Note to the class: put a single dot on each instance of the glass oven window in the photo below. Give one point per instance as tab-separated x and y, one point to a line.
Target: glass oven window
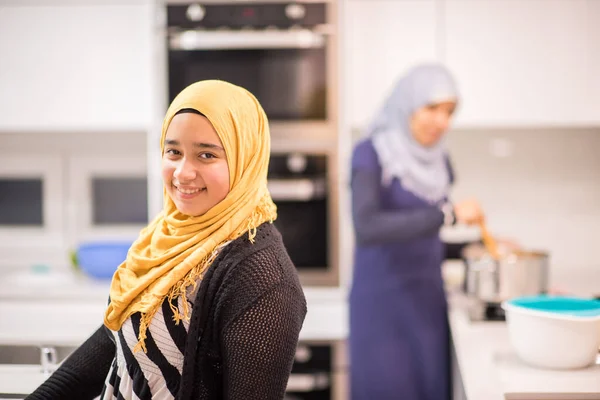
297	183
120	200
303	227
21	202
289	83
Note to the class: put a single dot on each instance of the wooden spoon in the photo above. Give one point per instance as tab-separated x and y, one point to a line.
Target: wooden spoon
488	240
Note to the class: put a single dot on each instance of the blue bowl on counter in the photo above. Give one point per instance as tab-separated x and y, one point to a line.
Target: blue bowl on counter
100	260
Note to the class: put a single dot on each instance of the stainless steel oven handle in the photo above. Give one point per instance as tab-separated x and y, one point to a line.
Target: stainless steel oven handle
297	189
231	40
308	382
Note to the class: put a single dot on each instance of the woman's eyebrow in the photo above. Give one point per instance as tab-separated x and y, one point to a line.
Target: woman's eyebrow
173	142
208	145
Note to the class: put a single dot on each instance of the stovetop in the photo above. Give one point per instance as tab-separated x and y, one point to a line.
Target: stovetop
483	311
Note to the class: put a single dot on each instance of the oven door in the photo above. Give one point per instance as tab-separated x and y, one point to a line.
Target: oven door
285	69
31	209
302	219
108	198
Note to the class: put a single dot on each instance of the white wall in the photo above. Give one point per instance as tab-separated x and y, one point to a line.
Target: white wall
545	194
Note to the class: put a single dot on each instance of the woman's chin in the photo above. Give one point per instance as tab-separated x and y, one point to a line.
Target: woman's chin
191	211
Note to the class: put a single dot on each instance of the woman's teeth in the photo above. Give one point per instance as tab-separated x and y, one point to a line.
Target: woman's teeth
188	191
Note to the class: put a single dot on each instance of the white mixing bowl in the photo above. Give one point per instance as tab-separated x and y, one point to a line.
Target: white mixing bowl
554	332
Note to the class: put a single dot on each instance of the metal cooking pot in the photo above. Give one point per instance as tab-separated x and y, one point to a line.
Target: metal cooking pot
517	274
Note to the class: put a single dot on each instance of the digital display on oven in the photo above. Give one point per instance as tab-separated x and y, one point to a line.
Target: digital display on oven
248	12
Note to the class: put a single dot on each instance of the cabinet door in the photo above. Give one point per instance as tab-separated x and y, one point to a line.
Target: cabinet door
382	40
75	67
523	63
593	93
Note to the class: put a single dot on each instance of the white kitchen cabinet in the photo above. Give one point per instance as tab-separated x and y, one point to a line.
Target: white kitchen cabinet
526	62
592	19
382	40
75	67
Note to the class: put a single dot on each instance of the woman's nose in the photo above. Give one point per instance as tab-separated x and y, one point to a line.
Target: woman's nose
184	172
443	120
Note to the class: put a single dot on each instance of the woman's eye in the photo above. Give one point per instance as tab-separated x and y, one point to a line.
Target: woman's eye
207	156
172	152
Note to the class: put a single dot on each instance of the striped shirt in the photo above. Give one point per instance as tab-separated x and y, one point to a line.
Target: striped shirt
154	375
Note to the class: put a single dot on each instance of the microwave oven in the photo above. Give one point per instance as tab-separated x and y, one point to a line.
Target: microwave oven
31	208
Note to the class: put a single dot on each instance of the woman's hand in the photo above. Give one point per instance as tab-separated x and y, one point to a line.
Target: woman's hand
468	212
508	245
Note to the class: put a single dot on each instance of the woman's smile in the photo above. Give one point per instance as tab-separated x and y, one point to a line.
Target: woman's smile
187	192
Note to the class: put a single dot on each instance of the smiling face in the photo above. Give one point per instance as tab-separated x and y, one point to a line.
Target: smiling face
194	165
429	123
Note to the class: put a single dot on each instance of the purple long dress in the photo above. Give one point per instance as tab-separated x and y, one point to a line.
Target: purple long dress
399	341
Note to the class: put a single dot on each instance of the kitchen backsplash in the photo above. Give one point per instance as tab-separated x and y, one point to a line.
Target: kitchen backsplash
542	187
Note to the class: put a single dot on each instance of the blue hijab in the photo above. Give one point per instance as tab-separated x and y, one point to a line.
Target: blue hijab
421	170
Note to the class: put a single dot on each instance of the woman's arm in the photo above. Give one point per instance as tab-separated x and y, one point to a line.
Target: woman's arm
259	345
376	226
81	376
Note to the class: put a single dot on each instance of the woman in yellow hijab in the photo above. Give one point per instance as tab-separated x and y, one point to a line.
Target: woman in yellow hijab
207	304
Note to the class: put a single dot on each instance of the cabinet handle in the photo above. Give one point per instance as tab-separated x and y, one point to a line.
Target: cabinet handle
308	382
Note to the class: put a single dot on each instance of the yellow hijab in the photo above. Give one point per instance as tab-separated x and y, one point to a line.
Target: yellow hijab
174	250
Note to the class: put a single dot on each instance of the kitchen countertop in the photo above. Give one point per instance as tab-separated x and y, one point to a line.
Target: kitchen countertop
68	322
69	310
20	379
489	368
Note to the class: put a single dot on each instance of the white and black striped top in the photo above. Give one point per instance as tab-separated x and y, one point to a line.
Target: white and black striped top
154	375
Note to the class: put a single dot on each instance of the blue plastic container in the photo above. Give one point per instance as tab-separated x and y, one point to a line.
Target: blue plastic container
559	305
101	259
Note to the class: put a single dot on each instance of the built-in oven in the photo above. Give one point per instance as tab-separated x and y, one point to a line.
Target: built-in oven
281	51
107	198
66	189
299	184
319	372
311	377
31	208
285	53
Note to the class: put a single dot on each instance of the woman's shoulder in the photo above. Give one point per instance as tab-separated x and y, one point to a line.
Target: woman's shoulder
364	155
259	263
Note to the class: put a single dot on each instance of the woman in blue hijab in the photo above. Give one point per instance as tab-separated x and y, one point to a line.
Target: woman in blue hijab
401	177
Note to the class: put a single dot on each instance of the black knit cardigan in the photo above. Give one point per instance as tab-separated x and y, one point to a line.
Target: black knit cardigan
242	337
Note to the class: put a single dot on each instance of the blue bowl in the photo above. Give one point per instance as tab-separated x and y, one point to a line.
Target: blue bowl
562	305
101	259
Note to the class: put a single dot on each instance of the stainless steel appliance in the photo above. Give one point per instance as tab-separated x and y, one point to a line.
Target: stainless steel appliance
311	376
32	215
284	52
319	372
299	185
108	198
489	282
